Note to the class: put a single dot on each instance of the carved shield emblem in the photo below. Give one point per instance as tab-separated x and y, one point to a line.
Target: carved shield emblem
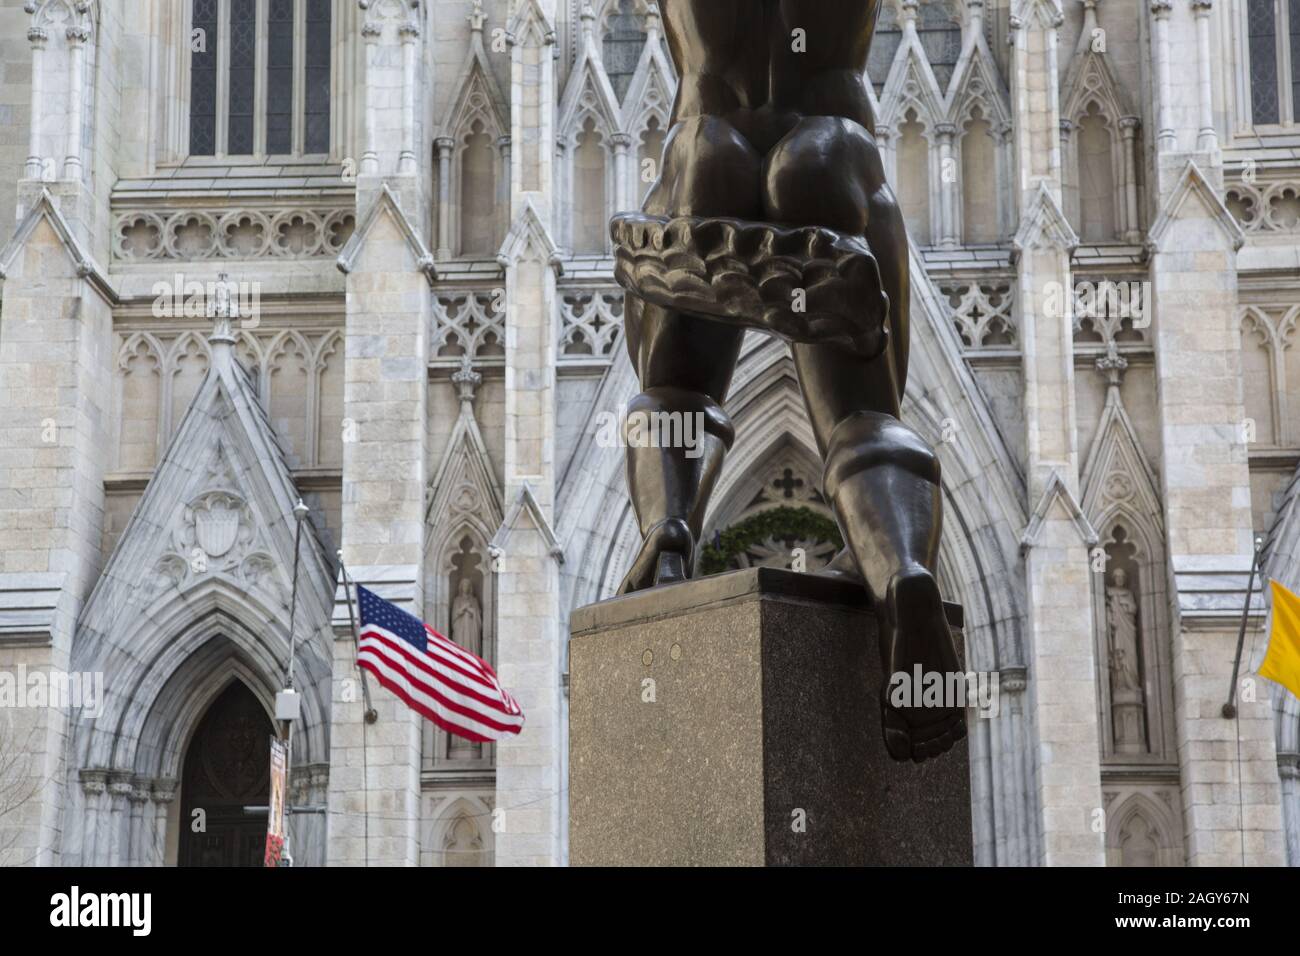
217	526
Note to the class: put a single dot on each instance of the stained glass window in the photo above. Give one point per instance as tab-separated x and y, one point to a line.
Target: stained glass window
1261	36
203	78
265	87
317	105
1295	56
243	62
279	77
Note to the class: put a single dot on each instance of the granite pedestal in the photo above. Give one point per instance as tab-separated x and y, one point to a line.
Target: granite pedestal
735	720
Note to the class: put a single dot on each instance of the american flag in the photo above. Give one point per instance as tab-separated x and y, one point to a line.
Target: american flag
455	689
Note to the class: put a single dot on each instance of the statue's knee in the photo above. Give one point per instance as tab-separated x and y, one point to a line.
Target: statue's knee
709	169
821	174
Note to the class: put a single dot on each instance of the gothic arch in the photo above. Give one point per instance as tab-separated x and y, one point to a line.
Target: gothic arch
324	426
291	394
589	133
1122	525
440	560
183	651
462	826
1141	832
1122	501
478	110
143	347
978	96
187	344
1255	322
1094	104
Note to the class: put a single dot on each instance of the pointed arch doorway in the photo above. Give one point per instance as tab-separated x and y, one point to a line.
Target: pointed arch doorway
227	767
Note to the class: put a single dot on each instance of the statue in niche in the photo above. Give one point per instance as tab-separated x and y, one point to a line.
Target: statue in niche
1125	680
771	212
467	619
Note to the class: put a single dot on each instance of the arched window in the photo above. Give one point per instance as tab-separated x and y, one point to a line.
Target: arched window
979	181
589	211
259	77
914	178
1096	178
478	189
1273	47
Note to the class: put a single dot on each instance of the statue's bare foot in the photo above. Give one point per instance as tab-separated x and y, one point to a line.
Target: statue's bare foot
914	631
665	557
842	567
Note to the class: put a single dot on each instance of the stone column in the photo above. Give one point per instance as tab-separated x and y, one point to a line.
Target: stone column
37	36
77	37
370	33
119	789
621	143
503	184
1019	839
445	145
1165	138
1069	178
564	159
164	791
410	33
93	785
1207	138
948	176
1128	126
140	826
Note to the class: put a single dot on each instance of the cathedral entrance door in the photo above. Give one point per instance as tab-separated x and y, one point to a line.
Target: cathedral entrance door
227	767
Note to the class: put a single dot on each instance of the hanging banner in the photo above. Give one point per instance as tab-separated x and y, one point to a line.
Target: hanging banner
275	810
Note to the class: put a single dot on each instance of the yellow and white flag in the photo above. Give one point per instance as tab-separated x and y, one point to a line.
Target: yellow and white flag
1282	662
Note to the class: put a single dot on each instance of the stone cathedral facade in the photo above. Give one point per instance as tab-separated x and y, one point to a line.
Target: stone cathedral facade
355	252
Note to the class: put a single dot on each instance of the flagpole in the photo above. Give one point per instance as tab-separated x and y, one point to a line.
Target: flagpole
372	715
300	512
1229	710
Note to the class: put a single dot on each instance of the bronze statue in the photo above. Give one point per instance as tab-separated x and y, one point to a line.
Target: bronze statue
772	212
